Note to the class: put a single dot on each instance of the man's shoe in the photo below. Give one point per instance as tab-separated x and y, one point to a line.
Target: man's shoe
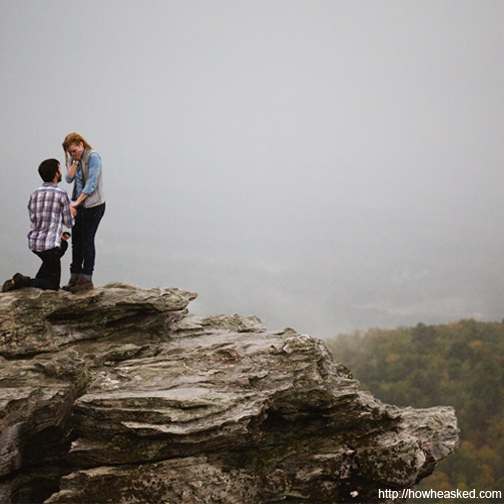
18	281
8	285
21	281
81	285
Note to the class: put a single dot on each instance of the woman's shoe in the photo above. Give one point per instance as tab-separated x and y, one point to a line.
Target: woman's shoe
81	285
71	283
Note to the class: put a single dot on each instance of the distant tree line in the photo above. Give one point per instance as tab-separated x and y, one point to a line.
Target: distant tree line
460	365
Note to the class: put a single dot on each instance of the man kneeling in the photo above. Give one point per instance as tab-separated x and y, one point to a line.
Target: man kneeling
49	209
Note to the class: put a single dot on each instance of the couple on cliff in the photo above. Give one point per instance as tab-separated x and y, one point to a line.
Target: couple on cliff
50	209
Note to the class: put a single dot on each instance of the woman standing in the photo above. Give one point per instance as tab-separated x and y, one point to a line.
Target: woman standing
84	168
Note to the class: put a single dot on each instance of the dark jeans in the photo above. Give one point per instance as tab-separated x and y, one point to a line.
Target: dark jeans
49	274
83	236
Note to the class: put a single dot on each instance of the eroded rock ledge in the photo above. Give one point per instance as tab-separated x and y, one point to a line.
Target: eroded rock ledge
118	395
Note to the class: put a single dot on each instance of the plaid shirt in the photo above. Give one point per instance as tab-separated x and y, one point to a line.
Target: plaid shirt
49	209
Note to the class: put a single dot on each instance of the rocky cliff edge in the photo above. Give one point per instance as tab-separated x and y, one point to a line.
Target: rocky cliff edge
118	395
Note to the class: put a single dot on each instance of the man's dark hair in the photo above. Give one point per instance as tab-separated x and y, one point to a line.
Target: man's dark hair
48	169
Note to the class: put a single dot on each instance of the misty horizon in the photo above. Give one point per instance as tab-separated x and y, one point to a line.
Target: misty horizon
327	166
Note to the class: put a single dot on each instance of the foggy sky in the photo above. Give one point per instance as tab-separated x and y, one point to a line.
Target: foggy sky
324	165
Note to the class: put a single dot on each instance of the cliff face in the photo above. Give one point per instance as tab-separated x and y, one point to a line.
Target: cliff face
118	395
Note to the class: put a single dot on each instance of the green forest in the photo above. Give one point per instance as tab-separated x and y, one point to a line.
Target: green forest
459	365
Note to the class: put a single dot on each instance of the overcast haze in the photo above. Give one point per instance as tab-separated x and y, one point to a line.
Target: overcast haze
324	165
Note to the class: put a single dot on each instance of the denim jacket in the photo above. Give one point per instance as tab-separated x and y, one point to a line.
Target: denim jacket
88	179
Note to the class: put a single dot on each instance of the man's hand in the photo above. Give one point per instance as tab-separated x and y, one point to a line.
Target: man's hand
73	209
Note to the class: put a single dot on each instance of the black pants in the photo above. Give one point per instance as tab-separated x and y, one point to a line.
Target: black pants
83	239
49	275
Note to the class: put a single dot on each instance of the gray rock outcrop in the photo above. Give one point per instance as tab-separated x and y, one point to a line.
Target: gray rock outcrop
118	395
